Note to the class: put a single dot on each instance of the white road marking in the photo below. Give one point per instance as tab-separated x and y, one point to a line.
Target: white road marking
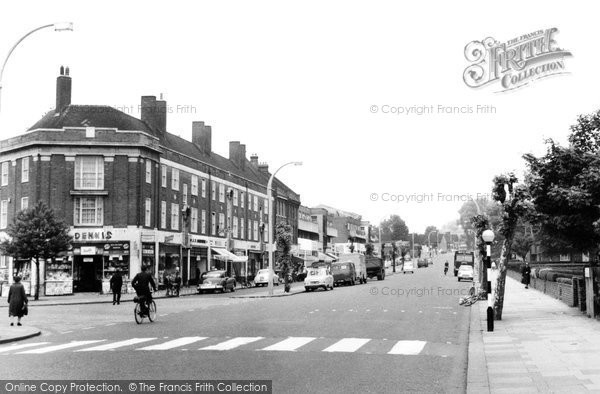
15	347
49	349
408	347
110	324
232	343
115	345
173	344
290	344
347	345
66	332
87	328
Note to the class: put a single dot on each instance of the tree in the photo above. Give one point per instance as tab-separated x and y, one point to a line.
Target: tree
523	240
516	204
36	234
394	229
283	241
369	249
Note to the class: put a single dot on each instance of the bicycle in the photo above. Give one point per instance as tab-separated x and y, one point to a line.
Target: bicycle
473	297
150	311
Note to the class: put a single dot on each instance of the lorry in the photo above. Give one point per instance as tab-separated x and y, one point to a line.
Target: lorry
463	258
375	267
360	265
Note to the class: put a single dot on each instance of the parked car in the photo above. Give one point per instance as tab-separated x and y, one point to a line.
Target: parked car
216	280
422	263
343	273
317	278
465	272
262	278
408	267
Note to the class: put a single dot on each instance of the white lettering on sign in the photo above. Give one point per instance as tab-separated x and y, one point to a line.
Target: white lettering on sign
88	250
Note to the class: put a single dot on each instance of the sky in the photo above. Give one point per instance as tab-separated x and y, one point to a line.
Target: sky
316	82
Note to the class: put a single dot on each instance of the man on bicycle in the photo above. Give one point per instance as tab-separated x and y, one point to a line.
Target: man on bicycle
141	283
446	267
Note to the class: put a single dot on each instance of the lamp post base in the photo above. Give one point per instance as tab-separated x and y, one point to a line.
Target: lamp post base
490	319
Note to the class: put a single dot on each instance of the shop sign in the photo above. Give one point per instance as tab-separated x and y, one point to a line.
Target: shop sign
91	235
239	252
88	259
88	250
147	237
148	250
116	248
197	241
169	238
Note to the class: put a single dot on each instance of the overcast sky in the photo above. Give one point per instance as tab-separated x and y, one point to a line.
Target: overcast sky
297	81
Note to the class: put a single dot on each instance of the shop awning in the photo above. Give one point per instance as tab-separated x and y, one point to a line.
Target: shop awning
334	257
325	258
225	255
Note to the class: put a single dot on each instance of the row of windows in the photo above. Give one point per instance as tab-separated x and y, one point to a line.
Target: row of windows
24	171
4	211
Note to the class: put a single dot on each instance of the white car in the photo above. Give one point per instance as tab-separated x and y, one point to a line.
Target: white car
317	278
408	267
465	272
262	278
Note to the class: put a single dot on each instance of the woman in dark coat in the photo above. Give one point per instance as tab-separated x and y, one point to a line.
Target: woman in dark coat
526	275
17	300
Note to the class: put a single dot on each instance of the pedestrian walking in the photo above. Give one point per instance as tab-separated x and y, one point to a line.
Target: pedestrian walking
116	285
526	275
17	301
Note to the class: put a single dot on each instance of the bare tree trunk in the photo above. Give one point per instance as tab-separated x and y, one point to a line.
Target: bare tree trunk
501	280
37	279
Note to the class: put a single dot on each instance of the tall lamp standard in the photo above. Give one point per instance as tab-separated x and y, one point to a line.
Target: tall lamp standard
270	232
488	238
64	26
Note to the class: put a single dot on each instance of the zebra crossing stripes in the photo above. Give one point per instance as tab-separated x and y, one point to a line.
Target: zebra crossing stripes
23	346
347	345
174	343
407	348
115	345
290	344
48	349
232	343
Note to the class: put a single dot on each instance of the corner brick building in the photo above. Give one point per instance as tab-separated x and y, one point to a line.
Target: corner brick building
134	193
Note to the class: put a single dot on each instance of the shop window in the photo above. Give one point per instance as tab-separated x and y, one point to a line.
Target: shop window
89	173
88	211
25	169
4	174
174	216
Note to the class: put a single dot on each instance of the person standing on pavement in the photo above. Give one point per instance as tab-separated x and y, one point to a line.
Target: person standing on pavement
116	284
17	301
526	275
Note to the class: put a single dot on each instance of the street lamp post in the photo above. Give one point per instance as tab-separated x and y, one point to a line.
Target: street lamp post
65	26
488	238
429	239
270	231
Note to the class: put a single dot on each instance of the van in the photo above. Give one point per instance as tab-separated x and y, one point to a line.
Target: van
343	273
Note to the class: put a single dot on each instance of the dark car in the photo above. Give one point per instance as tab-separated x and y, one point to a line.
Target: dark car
216	280
422	263
343	273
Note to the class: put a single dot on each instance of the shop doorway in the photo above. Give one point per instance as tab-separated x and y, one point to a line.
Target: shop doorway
87	274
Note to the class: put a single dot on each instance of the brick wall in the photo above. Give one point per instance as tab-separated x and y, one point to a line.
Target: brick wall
564	292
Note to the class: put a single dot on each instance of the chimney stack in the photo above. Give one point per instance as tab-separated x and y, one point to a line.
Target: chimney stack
264	168
154	113
237	154
202	137
63	90
254	160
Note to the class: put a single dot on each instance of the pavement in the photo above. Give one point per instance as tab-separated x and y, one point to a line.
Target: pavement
541	345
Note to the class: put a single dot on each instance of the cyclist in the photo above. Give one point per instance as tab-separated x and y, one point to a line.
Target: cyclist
446	267
141	283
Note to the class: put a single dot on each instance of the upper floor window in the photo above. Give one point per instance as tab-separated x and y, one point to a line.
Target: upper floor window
4	174
235	198
174	179
203	222
242	228
148	212
3	213
235	227
25	169
221	223
194	220
88	211
148	171
255	203
213	223
213	190
174	216
242	200
203	188
194	185
185	194
24	203
163	176
89	172
163	214
221	192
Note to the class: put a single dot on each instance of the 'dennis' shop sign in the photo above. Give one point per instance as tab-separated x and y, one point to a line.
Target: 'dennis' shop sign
91	235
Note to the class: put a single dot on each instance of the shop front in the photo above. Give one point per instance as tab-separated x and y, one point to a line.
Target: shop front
198	260
169	258
95	263
58	278
23	268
